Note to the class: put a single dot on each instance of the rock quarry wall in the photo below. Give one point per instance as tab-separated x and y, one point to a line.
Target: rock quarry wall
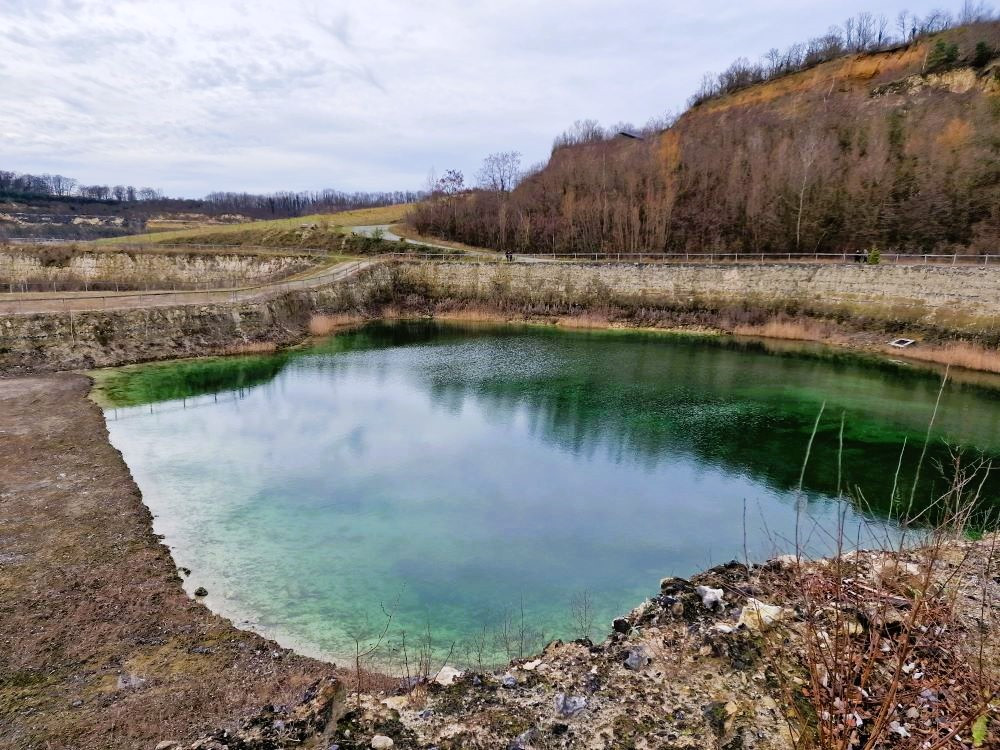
959	300
140	268
938	295
83	340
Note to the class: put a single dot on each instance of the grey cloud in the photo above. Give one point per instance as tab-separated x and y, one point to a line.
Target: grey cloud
194	96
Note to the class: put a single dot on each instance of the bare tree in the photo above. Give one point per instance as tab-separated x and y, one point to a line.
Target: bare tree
582	610
450	183
808	151
500	171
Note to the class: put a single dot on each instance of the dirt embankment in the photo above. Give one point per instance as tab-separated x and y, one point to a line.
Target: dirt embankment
99	645
952	313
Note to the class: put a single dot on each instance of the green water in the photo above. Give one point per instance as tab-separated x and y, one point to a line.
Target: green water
457	476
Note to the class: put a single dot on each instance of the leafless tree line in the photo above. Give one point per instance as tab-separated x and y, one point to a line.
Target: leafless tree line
840	171
268	205
865	32
60	186
305	202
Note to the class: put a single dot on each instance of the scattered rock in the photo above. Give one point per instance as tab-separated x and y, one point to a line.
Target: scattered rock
201	591
185	571
508	681
710	598
130	681
760	616
896	728
167	745
381	742
569	705
523	741
621	625
531	666
447	676
638	658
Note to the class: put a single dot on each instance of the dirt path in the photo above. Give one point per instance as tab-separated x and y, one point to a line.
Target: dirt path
99	645
84	301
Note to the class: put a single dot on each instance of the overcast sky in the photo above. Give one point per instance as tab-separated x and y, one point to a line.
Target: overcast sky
192	96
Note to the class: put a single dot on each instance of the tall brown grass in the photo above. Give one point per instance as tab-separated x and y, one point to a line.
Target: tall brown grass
323	325
792	330
251	347
961	354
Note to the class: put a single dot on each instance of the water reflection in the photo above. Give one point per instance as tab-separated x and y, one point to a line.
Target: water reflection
465	471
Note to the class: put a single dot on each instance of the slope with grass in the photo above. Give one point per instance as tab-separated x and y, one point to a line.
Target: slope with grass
314	231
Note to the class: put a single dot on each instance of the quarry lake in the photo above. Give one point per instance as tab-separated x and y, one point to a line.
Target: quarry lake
469	479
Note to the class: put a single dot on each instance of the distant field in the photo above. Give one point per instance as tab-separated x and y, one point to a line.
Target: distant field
318	227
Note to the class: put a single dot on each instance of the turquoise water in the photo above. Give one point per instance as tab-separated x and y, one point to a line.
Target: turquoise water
458	477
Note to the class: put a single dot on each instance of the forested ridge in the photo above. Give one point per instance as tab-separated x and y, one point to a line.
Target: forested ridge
895	146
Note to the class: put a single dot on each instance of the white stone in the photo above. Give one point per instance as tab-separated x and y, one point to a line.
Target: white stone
710	597
787	561
758	615
381	742
447	676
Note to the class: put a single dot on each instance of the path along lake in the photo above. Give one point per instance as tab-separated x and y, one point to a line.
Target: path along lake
458	476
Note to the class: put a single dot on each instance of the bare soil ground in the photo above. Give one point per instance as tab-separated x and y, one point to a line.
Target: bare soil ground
99	645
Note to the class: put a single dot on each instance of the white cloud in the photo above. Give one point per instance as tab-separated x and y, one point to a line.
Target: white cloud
192	96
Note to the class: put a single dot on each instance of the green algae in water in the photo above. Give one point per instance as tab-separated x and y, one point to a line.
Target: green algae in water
456	475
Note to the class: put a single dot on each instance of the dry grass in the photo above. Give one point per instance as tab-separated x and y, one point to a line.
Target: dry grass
406	231
251	347
791	330
323	325
589	319
206	232
897	642
962	354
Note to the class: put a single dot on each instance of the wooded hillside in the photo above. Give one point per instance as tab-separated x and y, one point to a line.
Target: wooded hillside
898	149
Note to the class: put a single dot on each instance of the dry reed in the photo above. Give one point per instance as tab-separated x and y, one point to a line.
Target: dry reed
322	325
792	330
251	347
961	354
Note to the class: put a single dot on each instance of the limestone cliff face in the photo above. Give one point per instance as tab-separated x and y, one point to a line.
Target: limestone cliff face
139	268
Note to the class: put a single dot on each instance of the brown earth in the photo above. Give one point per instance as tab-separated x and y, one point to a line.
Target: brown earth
99	645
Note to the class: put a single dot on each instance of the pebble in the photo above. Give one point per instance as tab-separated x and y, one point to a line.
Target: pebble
637	658
710	598
621	625
447	676
523	740
569	705
381	742
760	616
201	591
508	681
128	681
